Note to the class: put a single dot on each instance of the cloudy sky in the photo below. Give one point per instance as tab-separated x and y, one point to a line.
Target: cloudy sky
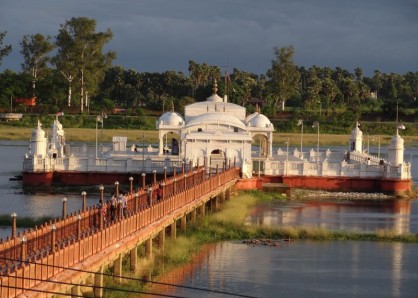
159	35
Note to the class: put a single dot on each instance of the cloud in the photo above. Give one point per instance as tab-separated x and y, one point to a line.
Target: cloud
158	35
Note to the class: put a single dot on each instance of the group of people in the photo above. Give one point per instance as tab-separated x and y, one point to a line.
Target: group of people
121	201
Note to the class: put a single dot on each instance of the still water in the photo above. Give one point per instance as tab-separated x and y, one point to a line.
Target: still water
296	269
47	202
303	269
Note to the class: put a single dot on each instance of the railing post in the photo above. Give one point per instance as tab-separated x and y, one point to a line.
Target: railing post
154	172
64	208
190	166
117	189
143	181
120	209
175	186
163	185
182	167
165	173
78	218
131	180
83	194
13	215
149	196
185	182
101	216
53	237
23	242
136	202
174	170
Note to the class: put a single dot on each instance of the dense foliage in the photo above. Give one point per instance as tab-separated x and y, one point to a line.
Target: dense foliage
72	74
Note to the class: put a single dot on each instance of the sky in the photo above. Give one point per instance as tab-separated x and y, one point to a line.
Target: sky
160	35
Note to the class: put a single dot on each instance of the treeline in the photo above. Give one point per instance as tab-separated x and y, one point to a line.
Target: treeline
71	73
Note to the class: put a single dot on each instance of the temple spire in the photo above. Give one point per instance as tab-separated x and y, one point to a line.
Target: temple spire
215	87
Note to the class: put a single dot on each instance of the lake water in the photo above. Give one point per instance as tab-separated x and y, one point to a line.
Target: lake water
296	269
303	269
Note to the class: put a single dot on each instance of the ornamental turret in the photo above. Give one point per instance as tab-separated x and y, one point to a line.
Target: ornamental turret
396	150
356	139
38	141
57	139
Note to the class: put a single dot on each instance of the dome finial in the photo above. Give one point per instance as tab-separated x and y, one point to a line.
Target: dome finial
215	87
172	106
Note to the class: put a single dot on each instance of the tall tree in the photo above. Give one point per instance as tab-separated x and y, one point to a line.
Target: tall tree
35	50
284	76
80	49
4	51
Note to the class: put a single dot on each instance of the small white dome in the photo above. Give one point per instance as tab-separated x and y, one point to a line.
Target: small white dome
251	116
38	133
171	118
259	120
396	141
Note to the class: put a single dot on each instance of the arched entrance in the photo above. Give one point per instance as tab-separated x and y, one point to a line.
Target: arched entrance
260	144
216	158
171	143
260	152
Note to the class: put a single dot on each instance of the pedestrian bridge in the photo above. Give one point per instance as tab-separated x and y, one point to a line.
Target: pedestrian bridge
62	255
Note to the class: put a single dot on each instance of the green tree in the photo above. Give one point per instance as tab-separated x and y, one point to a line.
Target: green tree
80	50
4	51
35	50
284	77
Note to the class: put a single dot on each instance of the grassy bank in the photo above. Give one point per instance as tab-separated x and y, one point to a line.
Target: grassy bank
227	224
151	136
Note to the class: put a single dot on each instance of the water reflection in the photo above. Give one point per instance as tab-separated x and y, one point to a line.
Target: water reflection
303	269
363	216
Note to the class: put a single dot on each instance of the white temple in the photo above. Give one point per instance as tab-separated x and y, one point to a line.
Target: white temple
215	130
215	133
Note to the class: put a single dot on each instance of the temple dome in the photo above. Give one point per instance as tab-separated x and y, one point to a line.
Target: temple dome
216	118
38	133
259	121
171	118
251	116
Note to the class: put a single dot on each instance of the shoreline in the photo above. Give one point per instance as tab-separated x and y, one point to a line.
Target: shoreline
306	194
151	136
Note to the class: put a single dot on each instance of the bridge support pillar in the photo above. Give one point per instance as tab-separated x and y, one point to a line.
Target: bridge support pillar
228	194
148	248
161	238
98	283
173	230
193	219
202	210
117	269
183	223
223	196
216	201
134	258
76	291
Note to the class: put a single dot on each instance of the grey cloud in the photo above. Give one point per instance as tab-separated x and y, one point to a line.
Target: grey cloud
157	35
